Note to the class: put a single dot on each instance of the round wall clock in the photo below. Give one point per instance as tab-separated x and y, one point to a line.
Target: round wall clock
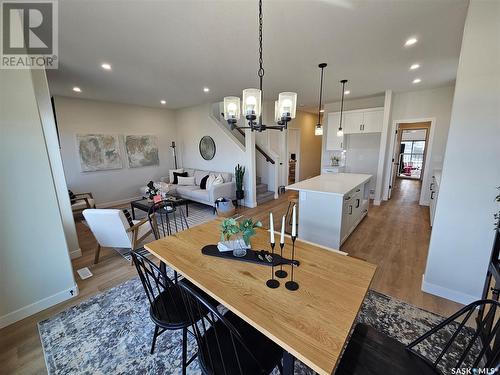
207	148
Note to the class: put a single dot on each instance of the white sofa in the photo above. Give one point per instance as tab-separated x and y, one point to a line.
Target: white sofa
226	190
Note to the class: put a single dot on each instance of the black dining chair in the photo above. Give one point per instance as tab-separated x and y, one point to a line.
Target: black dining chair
167	309
226	344
372	352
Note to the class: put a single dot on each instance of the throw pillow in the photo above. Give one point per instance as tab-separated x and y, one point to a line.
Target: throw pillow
185	181
210	181
171	174
218	180
178	174
203	183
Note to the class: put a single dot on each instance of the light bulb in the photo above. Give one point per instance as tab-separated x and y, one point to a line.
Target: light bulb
340	133
251	100
231	108
318	130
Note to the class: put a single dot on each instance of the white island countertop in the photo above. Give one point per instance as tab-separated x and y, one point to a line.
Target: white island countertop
338	184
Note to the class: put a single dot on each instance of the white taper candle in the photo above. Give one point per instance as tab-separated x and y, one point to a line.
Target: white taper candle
271	227
282	238
294	221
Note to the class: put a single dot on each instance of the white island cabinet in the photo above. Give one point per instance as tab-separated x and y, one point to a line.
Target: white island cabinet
331	206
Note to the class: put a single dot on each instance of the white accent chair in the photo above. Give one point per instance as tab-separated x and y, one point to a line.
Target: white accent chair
112	229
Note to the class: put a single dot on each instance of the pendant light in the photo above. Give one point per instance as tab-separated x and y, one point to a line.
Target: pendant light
318	130
251	106
340	132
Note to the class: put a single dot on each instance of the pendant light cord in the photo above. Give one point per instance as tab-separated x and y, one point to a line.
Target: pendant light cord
320	96
261	61
344	81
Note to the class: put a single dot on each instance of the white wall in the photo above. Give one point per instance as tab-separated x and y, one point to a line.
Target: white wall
414	135
79	116
462	235
423	104
35	268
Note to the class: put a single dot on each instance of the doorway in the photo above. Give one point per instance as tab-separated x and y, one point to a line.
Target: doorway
410	152
293	155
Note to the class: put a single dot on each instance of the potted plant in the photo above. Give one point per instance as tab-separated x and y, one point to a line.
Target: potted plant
243	231
335	161
239	172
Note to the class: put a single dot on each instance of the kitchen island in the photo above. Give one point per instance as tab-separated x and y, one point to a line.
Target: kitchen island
331	206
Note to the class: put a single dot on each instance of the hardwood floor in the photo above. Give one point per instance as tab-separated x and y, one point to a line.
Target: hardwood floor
394	236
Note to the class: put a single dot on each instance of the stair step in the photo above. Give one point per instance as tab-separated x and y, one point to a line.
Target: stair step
265	197
261	188
258	180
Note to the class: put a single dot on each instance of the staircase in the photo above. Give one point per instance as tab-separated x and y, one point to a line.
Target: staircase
263	195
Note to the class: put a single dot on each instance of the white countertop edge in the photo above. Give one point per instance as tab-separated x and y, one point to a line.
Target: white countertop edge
296	186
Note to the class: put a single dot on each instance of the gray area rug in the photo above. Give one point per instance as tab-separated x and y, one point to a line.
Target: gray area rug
111	333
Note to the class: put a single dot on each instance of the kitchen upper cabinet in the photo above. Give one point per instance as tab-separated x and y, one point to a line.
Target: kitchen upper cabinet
353	122
363	121
333	141
372	121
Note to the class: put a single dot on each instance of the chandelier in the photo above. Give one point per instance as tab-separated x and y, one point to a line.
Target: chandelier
284	107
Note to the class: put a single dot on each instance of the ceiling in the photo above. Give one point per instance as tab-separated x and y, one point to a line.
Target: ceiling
172	49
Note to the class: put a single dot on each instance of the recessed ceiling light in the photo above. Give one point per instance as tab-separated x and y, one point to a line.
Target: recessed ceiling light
163	102
347	92
414	66
411	41
106	66
206	89
77	89
322	111
417	80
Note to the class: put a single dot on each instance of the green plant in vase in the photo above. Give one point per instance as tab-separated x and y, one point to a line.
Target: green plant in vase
247	229
228	228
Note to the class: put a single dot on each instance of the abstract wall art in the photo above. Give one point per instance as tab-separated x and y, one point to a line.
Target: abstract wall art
142	150
99	152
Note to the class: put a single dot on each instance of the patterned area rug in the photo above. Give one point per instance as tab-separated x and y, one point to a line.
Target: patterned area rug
111	333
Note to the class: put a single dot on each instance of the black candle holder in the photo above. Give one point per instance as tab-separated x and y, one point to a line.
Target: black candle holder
292	285
272	282
281	273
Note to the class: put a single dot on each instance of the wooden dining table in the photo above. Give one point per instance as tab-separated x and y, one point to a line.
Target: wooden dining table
311	324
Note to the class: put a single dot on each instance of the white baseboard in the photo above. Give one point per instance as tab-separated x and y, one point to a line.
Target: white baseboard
75	253
377	202
118	202
450	294
37	306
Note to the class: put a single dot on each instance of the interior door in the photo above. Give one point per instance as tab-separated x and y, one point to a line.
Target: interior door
395	160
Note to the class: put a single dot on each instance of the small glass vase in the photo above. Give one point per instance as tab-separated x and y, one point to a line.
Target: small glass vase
240	248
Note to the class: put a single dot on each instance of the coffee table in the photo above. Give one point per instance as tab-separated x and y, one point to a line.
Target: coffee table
145	204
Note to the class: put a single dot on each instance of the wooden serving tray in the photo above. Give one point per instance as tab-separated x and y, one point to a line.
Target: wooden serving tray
251	256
